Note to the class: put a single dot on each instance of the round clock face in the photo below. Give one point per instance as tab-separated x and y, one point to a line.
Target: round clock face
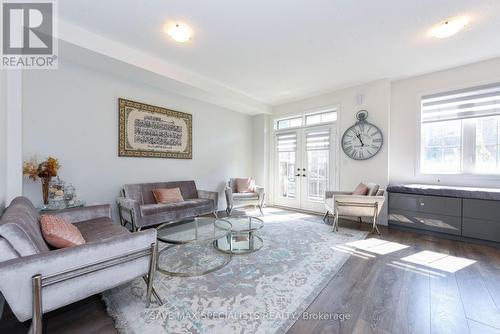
362	141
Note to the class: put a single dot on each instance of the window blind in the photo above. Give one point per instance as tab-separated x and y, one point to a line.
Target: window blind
287	142
319	140
480	101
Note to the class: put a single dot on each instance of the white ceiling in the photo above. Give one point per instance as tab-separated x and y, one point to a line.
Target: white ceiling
278	51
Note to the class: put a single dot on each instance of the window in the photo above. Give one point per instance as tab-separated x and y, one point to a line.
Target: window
289	123
327	116
310	119
460	131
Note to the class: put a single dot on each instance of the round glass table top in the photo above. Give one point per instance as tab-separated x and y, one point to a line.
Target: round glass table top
193	230
242	223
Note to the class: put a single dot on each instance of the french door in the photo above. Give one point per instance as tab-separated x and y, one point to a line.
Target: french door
304	167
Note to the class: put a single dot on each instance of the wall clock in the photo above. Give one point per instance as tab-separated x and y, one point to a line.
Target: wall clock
363	140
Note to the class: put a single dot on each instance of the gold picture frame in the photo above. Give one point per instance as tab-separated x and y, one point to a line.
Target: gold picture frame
147	131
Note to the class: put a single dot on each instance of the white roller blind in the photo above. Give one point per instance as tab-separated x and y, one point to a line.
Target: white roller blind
480	101
318	140
287	142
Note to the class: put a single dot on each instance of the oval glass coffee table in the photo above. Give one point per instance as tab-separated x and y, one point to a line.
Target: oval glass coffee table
242	238
190	250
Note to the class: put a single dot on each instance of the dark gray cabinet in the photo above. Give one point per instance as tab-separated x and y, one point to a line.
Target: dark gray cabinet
481	219
456	216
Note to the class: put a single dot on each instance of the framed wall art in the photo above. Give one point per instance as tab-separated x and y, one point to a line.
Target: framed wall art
147	131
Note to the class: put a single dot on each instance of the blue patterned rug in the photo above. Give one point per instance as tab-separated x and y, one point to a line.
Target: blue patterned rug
262	292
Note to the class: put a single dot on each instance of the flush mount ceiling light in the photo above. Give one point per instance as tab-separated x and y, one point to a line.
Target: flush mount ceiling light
179	32
449	27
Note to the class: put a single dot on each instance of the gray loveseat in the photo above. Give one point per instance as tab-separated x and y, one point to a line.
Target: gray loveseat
138	207
35	279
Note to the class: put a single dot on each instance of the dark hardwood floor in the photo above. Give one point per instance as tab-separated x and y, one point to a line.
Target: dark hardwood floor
380	293
384	294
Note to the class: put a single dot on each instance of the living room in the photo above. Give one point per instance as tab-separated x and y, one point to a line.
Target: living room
336	162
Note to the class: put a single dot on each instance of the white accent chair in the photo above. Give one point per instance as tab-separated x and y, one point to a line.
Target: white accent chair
234	199
345	204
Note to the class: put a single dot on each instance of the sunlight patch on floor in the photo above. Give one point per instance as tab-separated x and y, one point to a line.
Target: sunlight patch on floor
352	251
440	261
377	246
415	269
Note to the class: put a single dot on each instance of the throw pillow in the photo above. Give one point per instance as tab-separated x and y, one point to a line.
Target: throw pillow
168	195
58	233
245	185
361	189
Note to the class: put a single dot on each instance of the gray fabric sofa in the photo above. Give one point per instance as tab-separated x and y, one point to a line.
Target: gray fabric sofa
35	279
138	207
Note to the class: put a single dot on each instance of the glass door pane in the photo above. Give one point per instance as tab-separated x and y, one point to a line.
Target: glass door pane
287	180
287	155
318	157
317	178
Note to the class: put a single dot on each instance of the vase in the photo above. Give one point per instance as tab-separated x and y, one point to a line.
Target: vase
45	189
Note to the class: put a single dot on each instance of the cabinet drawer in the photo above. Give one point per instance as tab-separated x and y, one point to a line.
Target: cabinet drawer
481	229
447	206
426	221
482	209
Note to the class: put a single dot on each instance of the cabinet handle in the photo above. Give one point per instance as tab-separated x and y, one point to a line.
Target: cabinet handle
297	174
304	175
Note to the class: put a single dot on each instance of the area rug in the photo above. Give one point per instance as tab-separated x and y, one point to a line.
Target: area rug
262	292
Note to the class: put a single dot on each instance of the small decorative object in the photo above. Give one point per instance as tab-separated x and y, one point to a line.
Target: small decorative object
153	132
69	195
56	194
363	140
45	170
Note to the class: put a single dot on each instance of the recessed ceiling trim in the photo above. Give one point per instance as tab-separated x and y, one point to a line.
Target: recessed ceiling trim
218	93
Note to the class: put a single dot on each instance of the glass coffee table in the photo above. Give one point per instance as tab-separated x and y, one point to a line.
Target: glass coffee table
190	250
242	238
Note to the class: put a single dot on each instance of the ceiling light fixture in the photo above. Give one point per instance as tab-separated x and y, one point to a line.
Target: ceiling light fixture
449	27
179	32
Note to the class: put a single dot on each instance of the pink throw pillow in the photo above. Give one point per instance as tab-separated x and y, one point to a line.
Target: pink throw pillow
361	189
58	233
245	185
167	196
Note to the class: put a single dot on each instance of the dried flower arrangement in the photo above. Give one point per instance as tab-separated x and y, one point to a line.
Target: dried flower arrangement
45	171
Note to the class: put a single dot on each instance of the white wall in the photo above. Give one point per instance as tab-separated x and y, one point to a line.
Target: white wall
260	153
3	138
72	114
376	99
404	127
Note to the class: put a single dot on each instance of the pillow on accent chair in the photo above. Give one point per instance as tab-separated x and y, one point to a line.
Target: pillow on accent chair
168	195
58	233
245	185
361	189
